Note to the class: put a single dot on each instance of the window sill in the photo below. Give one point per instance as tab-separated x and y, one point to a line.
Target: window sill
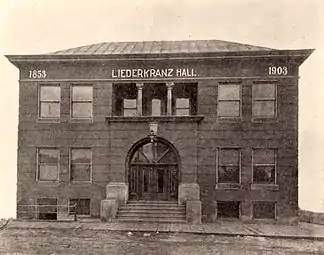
172	118
265	119
230	119
80	120
48	120
233	186
43	182
81	182
264	186
264	220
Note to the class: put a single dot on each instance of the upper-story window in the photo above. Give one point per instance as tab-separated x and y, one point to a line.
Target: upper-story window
228	167
156	107
264	100
182	107
229	100
154	99
264	166
48	164
49	101
81	102
129	107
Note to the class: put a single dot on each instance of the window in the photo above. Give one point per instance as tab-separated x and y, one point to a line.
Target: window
156	107
81	102
47	208
184	99
48	164
130	107
82	206
264	100
154	99
229	100
81	164
264	210
182	106
228	166
124	99
264	166
228	209
49	101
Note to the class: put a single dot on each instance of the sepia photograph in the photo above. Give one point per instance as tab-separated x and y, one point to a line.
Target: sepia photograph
162	127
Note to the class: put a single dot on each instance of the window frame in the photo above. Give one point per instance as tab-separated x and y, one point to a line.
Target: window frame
70	164
37	207
129	108
239	100
81	101
275	164
39	101
229	201
228	185
265	202
183	108
38	165
269	99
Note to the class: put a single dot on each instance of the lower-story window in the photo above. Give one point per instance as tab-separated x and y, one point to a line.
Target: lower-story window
47	208
81	161
228	170
228	209
264	210
264	166
48	164
80	206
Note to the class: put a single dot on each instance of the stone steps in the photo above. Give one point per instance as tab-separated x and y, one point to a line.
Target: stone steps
152	211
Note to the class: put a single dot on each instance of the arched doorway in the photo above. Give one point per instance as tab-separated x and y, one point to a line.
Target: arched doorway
153	171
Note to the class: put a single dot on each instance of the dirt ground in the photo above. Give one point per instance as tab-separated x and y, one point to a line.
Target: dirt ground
80	241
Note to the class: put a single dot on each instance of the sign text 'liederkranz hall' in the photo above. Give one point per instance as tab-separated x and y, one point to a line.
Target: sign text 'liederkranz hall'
153	73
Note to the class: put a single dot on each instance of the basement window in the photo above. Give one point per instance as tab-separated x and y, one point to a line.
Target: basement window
80	206
228	209
47	208
264	210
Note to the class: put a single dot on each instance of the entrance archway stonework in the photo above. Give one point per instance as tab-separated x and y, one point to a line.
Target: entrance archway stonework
184	164
153	170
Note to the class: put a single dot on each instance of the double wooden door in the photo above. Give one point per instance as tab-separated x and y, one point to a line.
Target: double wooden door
153	182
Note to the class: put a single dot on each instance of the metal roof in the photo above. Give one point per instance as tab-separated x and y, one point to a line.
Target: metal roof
158	47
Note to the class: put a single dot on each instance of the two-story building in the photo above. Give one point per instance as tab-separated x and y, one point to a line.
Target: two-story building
208	127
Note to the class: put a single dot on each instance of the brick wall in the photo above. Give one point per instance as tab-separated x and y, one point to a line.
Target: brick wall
195	142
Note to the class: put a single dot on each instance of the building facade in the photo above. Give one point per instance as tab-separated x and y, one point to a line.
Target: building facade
212	125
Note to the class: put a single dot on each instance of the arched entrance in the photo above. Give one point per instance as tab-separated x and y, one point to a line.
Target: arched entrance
153	171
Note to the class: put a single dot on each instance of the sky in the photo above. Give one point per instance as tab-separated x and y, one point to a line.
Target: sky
38	26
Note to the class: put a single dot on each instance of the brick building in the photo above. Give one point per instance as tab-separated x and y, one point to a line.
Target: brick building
207	127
